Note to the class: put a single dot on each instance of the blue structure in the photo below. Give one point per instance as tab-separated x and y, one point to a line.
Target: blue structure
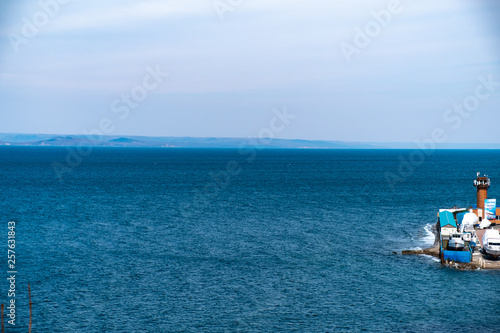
457	256
446	218
460	217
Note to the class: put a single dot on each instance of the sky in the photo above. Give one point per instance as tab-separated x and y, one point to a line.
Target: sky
359	70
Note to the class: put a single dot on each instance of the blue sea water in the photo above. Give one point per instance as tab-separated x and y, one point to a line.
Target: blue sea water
169	240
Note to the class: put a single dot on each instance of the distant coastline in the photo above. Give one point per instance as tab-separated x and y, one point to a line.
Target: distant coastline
55	140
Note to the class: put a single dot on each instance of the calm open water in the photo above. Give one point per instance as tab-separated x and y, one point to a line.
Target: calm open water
163	240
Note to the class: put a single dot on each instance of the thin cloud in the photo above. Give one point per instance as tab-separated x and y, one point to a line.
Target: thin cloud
78	16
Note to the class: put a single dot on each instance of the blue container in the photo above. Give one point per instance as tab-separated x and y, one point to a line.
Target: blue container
457	256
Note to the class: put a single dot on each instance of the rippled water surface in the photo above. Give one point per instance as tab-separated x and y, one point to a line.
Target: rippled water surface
166	240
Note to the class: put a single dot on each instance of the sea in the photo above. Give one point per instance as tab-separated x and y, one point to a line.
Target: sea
238	240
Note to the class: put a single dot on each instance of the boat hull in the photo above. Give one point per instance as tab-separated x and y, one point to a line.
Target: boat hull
495	253
456	244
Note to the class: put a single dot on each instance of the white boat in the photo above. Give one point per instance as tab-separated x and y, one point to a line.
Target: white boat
467	236
474	242
468	222
485	223
456	242
491	243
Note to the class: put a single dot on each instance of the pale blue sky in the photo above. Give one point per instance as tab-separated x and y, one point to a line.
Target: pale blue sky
226	76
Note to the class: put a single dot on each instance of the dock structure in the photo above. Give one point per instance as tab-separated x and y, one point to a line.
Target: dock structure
450	223
482	183
456	223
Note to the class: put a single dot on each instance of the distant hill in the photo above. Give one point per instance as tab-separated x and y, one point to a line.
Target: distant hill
179	142
14	139
24	137
124	140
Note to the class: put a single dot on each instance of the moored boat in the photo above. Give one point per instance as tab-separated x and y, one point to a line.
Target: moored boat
491	243
456	242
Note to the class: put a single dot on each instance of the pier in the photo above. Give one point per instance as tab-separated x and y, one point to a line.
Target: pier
459	233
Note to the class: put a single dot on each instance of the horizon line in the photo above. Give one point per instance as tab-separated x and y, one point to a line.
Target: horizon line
253	138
